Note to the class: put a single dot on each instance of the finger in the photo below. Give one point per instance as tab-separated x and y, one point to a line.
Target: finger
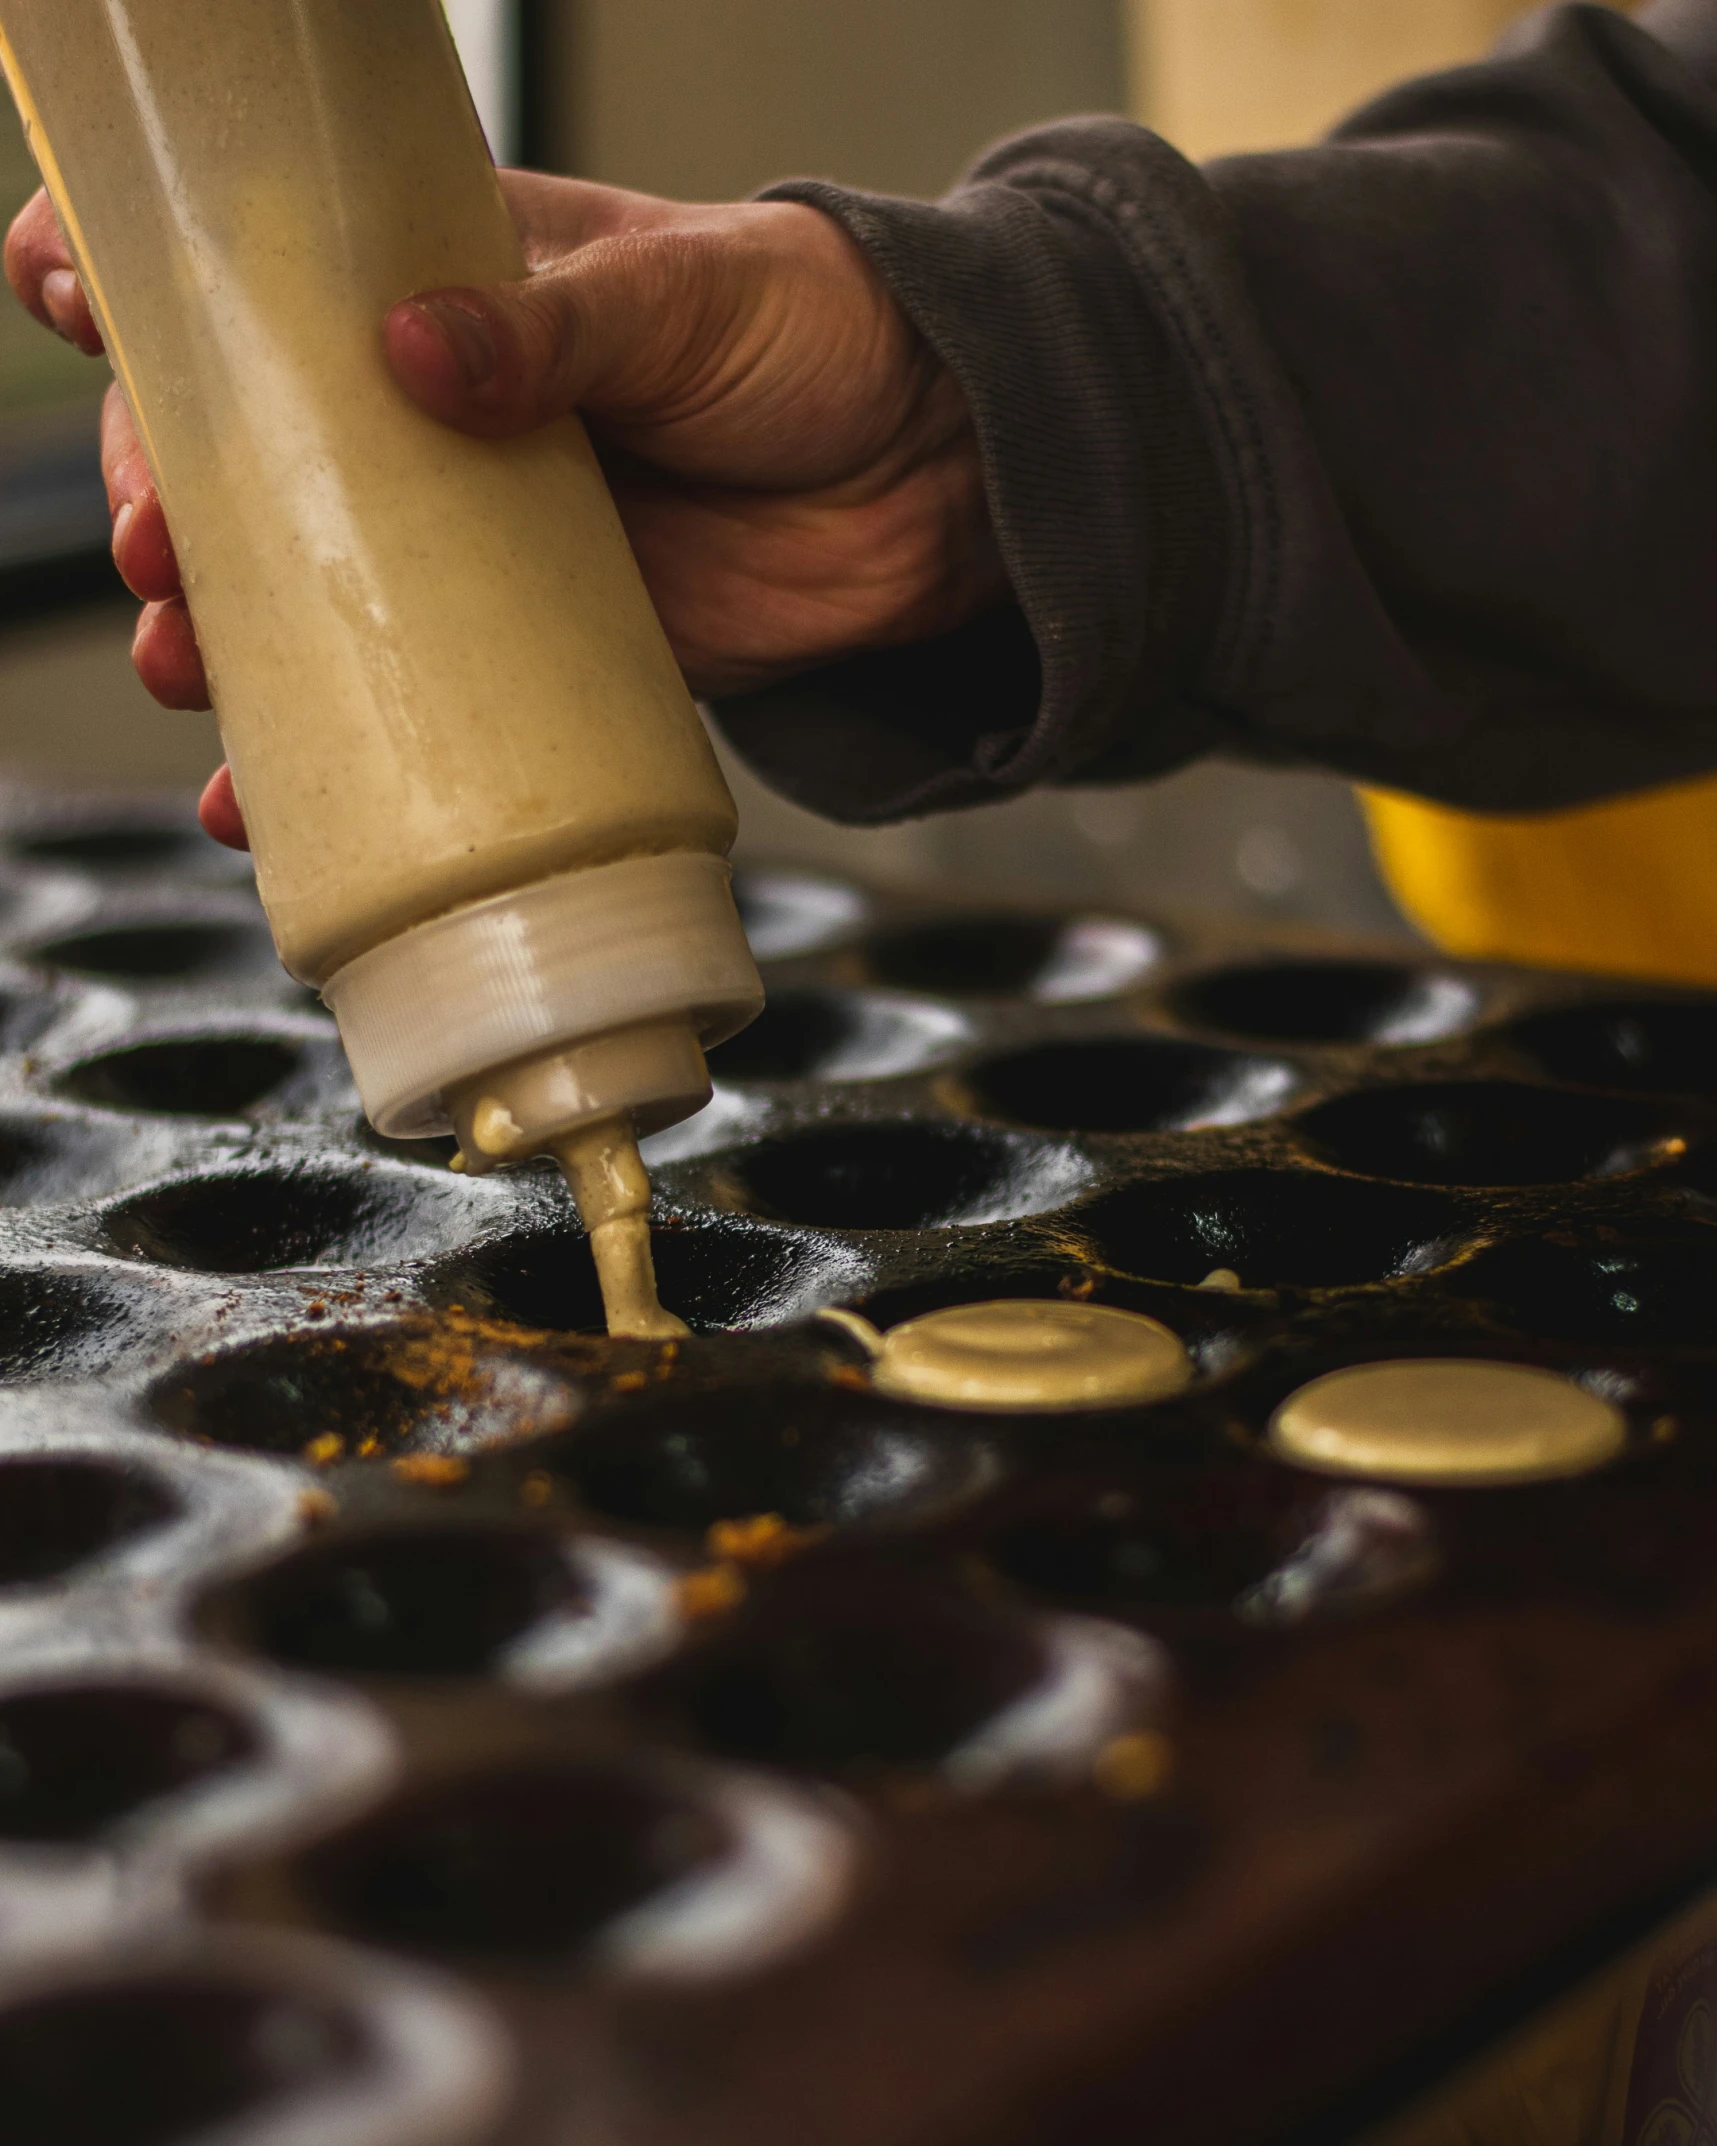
142	547
35	246
166	657
39	269
486	361
219	813
628	321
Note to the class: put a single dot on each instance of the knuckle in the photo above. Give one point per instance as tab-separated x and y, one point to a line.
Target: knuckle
551	323
632	302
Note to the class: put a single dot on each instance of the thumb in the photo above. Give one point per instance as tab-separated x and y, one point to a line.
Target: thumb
508	358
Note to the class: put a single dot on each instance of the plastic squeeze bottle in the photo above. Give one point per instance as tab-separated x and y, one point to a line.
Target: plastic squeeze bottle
486	820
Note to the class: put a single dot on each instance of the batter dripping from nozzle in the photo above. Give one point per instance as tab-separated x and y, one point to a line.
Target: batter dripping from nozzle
513	1117
602	1165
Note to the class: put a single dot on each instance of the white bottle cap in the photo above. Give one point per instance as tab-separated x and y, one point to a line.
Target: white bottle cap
591	993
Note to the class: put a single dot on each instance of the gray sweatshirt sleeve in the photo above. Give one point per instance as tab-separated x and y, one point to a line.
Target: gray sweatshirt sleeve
1396	456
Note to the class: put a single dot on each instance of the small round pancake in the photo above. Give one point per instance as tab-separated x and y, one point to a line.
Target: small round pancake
1447	1420
1031	1354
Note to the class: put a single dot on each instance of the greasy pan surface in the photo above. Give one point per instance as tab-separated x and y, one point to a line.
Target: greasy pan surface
389	1749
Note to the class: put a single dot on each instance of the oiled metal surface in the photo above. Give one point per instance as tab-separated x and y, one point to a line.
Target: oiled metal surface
475	1731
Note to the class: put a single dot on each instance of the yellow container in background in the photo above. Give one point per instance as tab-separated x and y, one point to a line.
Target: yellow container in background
1628	887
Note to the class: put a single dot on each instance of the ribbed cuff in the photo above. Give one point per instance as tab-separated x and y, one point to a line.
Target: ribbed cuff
1040	285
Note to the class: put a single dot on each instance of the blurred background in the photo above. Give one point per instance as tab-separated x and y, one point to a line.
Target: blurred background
709	99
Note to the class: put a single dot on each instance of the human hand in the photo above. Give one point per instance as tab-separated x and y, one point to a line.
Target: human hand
796	470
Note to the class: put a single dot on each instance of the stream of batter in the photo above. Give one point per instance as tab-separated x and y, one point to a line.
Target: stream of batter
608	1180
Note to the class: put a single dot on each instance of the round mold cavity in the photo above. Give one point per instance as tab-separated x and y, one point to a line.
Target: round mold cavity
716	1275
165	2059
56	1325
1481	1133
424	1386
789	913
1448	1422
1386	1002
1255	1544
115	846
56	1515
1650	1287
903	1177
832	1667
838	1036
418	1603
818	1455
266	1222
963	1282
160	953
77	1761
1124	1084
1002	1356
204	1076
44	1160
532	1864
1212	1325
1649	1046
1274	1229
1054	960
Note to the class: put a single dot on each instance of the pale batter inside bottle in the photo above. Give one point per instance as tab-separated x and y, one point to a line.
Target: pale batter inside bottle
487	823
